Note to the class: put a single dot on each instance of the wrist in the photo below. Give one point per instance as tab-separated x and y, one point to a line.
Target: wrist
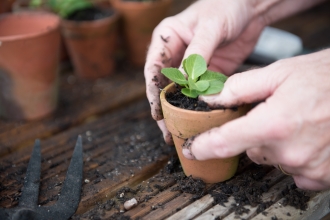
271	11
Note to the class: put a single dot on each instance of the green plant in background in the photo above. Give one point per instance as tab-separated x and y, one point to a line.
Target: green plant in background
201	81
62	7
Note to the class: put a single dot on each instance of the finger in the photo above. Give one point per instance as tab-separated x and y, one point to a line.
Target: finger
164	51
308	184
234	137
248	87
204	40
166	134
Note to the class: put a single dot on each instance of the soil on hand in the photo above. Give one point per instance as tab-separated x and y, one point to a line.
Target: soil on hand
89	14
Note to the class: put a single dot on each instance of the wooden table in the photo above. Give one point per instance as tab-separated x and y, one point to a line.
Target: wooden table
125	156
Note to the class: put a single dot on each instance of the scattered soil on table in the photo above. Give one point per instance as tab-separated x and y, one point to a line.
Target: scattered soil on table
179	100
185	184
248	188
89	14
295	197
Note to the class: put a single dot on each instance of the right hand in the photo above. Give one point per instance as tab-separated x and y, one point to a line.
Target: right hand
223	32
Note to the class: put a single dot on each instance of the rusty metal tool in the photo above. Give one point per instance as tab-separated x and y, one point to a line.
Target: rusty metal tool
68	200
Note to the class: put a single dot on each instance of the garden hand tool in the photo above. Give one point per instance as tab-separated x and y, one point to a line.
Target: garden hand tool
68	200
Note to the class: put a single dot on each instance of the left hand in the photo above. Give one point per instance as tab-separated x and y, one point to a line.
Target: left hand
292	126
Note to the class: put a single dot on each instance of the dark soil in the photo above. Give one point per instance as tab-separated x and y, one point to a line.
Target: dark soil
247	189
89	14
294	197
185	184
181	101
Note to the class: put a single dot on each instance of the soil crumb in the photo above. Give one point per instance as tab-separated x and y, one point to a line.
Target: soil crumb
295	197
185	184
246	189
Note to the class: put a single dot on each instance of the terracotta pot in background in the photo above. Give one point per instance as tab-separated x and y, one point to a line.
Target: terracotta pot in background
138	21
184	123
5	5
29	58
91	45
24	5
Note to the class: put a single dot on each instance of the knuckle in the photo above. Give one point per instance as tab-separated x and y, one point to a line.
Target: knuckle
232	83
293	159
168	21
280	129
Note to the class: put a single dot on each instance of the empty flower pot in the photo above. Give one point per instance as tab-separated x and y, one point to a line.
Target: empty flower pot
138	22
91	45
184	124
29	58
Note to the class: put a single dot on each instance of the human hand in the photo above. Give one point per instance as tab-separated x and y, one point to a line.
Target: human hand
223	32
290	128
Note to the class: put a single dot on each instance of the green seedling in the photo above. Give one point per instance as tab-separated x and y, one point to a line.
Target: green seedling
199	81
62	7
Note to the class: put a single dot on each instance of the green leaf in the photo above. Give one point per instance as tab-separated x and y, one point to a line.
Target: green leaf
195	66
184	66
72	6
35	3
202	85
215	87
175	75
210	76
190	93
66	7
199	85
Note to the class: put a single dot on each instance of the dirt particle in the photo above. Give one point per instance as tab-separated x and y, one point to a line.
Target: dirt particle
129	204
295	198
165	39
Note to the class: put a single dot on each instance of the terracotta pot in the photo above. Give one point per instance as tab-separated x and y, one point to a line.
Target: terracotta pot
91	45
187	123
24	5
5	5
29	58
139	20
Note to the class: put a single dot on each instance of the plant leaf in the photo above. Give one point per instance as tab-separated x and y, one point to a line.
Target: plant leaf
35	3
189	92
210	76
195	66
184	66
199	85
175	75
215	87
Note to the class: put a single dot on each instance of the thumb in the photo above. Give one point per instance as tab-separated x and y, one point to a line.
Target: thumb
248	87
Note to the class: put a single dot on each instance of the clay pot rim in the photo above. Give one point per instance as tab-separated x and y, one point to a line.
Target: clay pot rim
132	5
174	108
86	24
45	31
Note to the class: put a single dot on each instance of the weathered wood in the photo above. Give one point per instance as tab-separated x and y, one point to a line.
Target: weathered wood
222	211
271	196
79	102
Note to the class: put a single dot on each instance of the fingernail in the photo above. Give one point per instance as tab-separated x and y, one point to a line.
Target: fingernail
186	149
187	154
208	98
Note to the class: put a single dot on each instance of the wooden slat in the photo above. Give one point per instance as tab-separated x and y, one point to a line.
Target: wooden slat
79	102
